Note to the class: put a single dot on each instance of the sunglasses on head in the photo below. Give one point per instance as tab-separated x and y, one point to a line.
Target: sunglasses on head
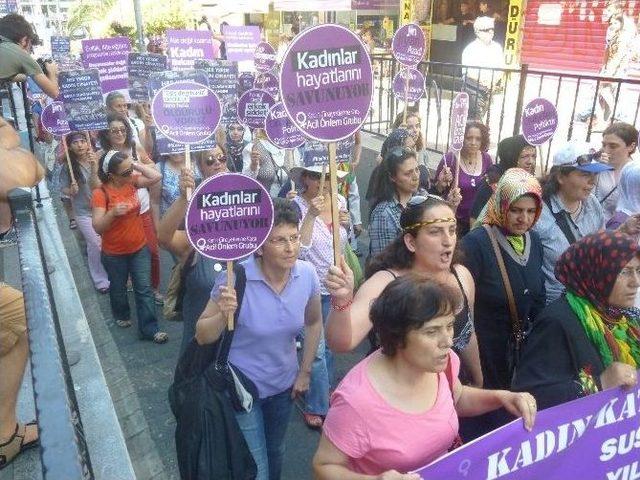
420	199
585	159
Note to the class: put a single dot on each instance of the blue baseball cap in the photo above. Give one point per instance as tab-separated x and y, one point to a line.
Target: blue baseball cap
580	155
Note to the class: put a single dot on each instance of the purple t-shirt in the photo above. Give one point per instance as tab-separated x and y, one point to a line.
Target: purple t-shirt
468	184
264	343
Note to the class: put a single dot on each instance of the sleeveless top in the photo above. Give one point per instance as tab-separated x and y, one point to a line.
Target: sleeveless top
463	323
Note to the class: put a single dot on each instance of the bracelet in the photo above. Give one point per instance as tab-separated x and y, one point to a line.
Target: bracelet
340	308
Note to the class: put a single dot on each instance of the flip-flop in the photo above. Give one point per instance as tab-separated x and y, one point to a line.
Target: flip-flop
10	449
123	323
313	421
160	337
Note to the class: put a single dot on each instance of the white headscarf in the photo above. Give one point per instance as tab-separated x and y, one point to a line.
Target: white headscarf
629	200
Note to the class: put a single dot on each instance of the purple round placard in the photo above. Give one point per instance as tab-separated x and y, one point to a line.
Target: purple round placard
408	45
539	121
229	217
281	131
415	90
54	119
264	57
186	112
267	82
459	114
326	82
253	107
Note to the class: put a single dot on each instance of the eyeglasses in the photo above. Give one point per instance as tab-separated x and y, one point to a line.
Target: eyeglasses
420	199
210	159
486	30
126	173
629	272
282	242
116	131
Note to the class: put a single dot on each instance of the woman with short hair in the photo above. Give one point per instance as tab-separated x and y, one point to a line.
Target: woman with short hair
397	410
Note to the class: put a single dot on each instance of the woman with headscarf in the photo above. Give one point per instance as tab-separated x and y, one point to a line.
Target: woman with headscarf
508	217
629	199
513	152
588	340
234	145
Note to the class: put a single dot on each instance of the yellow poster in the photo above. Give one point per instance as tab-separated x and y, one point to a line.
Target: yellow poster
406	11
513	39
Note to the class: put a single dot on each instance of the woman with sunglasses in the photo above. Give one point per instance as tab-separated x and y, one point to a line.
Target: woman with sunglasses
426	247
199	272
116	216
471	163
316	238
84	165
119	136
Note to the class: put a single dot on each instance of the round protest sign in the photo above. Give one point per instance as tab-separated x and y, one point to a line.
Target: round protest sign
264	57
326	82
269	83
539	121
408	45
229	217
409	83
459	113
253	107
280	129
186	112
54	119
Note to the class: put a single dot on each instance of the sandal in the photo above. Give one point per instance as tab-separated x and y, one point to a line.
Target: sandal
160	337
72	224
313	421
123	323
16	444
103	290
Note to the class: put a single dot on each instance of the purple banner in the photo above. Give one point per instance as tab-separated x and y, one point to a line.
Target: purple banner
280	129
60	47
408	45
595	437
186	112
459	114
223	79
327	82
140	67
54	119
109	56
229	217
269	83
408	85
253	108
241	42
184	47
539	121
81	93
264	57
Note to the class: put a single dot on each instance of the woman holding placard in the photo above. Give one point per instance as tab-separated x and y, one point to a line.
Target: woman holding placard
119	136
199	273
282	296
170	167
116	216
426	247
465	171
84	164
316	241
397	410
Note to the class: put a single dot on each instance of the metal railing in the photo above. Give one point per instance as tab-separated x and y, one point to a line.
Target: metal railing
63	450
498	101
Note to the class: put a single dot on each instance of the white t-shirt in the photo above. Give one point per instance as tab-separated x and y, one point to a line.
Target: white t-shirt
480	54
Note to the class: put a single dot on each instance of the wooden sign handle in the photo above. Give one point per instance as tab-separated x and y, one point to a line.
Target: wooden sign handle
406	97
230	281
335	214
323	180
187	163
66	153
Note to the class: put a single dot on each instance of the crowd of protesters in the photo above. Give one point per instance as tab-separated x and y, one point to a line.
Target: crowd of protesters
488	292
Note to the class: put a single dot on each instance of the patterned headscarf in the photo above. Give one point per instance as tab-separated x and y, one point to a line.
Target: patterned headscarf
515	183
589	269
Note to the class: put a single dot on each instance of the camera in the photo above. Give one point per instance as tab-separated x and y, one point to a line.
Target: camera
43	64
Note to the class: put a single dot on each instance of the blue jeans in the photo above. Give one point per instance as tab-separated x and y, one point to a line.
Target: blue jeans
317	398
138	265
264	428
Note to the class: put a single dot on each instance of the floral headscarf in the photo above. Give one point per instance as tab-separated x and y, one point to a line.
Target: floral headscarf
515	183
589	269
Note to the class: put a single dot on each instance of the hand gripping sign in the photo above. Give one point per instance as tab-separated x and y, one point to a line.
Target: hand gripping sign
229	217
326	85
186	112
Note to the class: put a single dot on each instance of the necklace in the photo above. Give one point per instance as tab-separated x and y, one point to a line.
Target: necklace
575	212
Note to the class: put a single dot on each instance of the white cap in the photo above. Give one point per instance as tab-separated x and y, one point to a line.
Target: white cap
484	23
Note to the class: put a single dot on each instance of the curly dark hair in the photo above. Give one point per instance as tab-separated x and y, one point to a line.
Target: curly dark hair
484	133
406	304
103	135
